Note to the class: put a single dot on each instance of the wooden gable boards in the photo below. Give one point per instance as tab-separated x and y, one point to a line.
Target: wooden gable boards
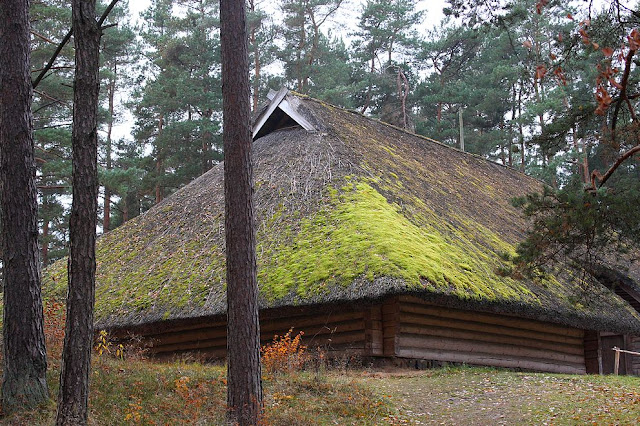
282	111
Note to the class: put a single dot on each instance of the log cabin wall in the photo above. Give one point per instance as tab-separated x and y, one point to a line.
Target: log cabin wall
591	352
336	330
416	329
634	346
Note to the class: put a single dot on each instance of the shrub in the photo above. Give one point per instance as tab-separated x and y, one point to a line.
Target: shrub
284	354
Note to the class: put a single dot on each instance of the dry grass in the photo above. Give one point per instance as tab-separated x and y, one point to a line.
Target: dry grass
143	392
481	396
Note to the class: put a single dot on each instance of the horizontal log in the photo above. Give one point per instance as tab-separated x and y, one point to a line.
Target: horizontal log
389	346
190	336
350	337
437	321
312	331
490	360
266	335
456	333
374	342
161	345
471	346
204	324
373	325
374	313
374	335
390	310
289	321
338	350
374	345
413	305
300	322
192	345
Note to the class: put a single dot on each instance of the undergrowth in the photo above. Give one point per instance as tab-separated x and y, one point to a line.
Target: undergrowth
127	389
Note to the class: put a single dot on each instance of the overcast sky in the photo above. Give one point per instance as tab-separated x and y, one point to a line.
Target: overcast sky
433	10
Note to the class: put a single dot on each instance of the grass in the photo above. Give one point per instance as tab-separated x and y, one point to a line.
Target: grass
128	390
144	392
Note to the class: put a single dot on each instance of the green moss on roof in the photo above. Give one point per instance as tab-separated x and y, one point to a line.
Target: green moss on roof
361	234
139	271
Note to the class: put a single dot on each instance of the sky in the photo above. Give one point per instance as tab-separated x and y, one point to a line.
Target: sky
433	10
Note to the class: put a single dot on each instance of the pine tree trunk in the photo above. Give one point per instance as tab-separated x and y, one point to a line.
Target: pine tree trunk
25	362
244	392
111	92
76	358
256	61
159	165
45	243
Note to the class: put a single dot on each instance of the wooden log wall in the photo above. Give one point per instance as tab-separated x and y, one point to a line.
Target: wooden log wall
415	329
334	331
591	352
634	346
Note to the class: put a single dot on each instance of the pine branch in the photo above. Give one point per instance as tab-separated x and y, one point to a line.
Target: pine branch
64	42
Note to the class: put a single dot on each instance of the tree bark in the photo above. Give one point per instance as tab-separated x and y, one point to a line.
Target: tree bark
25	362
159	164
45	243
73	398
111	93
244	391
256	60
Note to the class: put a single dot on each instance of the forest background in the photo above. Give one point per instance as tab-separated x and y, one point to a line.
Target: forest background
531	81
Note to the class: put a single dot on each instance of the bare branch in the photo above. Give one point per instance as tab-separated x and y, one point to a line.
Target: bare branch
64	42
41	37
603	178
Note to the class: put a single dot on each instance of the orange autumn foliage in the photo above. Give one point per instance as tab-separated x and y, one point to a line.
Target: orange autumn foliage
284	354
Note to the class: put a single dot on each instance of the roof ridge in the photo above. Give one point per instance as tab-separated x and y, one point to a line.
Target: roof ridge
358	113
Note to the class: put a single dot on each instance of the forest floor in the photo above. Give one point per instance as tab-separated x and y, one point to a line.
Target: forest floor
482	396
151	393
127	389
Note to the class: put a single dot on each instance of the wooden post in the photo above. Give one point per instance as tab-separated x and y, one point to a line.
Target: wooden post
617	358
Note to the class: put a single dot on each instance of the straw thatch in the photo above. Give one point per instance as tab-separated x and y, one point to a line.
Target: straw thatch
355	211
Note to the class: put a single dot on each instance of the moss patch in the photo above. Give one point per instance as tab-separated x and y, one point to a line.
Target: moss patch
178	273
361	234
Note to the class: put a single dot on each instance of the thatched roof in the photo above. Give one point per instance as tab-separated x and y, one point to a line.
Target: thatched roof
350	210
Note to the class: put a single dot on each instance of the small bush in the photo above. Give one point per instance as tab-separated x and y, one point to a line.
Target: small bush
284	354
104	345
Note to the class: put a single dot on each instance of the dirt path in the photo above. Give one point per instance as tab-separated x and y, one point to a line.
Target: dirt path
491	397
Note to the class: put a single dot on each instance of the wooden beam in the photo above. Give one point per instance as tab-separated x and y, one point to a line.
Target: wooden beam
390	325
469	347
491	337
262	118
491	360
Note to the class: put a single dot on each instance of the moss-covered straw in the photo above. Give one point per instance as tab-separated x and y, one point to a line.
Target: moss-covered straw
358	210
